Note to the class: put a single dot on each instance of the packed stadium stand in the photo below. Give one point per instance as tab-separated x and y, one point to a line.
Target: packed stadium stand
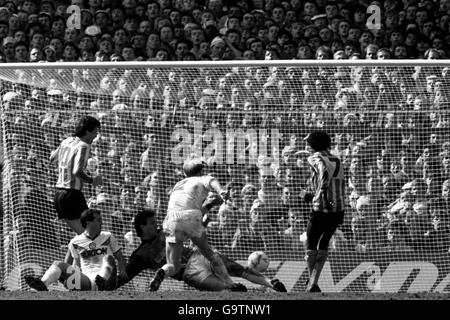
390	125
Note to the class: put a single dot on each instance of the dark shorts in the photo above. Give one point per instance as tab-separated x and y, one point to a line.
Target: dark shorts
69	203
233	268
321	227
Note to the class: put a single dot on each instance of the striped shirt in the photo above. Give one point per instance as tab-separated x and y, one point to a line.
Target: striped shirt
73	155
327	182
91	251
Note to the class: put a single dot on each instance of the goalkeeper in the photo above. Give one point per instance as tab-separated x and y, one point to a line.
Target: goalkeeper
196	270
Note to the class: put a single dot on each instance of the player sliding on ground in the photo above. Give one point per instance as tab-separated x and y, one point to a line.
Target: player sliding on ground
184	221
93	252
196	270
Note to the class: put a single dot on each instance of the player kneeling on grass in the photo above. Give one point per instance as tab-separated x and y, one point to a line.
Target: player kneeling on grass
93	253
198	271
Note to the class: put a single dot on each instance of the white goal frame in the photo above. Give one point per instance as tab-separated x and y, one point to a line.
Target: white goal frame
405	273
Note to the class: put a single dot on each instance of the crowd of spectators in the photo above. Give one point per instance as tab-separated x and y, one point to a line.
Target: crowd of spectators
390	125
127	30
393	142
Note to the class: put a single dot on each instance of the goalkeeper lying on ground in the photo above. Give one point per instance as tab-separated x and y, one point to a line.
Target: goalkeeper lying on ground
196	270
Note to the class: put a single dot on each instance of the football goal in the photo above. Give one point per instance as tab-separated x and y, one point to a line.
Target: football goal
389	122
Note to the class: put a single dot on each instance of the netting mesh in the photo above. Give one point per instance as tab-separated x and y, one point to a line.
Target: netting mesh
389	123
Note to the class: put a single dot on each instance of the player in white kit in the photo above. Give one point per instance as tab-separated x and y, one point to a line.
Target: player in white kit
72	155
93	252
184	221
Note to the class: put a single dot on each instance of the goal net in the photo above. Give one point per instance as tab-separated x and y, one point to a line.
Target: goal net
389	121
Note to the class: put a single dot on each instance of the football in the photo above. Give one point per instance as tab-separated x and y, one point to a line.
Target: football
258	261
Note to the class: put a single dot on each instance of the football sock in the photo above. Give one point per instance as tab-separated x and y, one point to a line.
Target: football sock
320	262
311	256
51	275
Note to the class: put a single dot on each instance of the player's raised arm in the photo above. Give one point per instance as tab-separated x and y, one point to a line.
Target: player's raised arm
217	187
211	201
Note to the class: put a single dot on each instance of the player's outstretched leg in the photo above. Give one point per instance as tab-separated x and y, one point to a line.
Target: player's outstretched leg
219	267
50	276
216	261
71	277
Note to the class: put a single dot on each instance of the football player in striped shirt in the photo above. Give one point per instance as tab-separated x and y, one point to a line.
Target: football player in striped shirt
72	156
93	253
327	192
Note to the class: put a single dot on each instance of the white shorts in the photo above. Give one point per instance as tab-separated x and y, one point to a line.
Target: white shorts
198	268
180	226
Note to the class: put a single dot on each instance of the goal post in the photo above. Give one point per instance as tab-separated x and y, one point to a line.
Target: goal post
390	125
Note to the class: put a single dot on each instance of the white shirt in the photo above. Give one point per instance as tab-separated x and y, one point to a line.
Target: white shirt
190	193
91	251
